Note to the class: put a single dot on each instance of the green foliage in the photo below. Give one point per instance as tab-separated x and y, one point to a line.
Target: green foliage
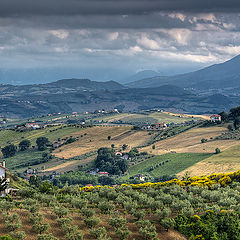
123	233
107	161
5	238
9	151
91	222
41	227
148	232
117	222
106	207
46	237
167	223
18	235
99	233
61	211
87	212
24	145
42	143
45	187
204	140
217	151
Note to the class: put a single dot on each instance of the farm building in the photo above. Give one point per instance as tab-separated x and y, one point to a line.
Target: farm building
215	118
32	125
155	126
2	176
140	177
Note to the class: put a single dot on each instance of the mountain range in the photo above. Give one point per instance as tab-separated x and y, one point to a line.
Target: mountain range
219	76
209	90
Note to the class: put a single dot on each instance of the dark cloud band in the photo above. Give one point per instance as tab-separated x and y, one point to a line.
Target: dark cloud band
20	8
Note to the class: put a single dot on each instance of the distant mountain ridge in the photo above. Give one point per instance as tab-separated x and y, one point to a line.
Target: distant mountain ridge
223	75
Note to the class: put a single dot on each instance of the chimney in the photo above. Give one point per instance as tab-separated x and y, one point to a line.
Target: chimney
4	163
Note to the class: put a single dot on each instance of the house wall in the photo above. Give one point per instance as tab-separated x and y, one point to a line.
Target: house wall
2	173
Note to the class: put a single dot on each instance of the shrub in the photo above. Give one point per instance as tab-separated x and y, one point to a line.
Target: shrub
77	235
88	212
138	214
99	233
163	213
41	227
117	222
18	235
91	222
167	223
63	221
123	233
46	237
148	232
61	211
106	207
217	151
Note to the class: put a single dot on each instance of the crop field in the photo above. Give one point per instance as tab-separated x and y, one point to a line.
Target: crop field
91	139
176	162
190	142
151	118
226	161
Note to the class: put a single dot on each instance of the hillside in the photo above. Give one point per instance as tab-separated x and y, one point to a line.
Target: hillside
35	100
218	76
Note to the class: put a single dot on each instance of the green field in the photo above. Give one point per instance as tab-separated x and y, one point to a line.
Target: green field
177	162
23	158
11	136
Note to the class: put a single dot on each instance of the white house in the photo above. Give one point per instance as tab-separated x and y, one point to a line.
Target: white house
216	118
32	125
3	175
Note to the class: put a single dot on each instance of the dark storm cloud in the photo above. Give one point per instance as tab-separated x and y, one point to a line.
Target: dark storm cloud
105	7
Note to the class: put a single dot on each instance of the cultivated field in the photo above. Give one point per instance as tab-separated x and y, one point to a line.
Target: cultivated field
91	139
190	142
227	161
176	162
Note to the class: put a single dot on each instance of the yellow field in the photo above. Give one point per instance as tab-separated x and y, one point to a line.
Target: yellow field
205	117
190	142
227	161
97	137
69	165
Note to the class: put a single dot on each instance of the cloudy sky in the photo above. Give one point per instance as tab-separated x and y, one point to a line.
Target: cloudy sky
110	39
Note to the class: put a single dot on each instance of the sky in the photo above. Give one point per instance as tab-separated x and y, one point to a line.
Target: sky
109	40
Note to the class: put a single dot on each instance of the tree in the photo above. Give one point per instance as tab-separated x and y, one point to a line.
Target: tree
109	138
24	145
217	150
153	147
113	145
236	122
105	180
230	127
9	150
42	143
224	116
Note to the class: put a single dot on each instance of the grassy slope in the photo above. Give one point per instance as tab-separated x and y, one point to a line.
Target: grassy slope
227	161
9	136
153	117
190	141
96	137
177	163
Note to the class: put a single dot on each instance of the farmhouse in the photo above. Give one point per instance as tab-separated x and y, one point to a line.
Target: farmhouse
103	173
3	175
155	126
32	125
215	118
140	177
